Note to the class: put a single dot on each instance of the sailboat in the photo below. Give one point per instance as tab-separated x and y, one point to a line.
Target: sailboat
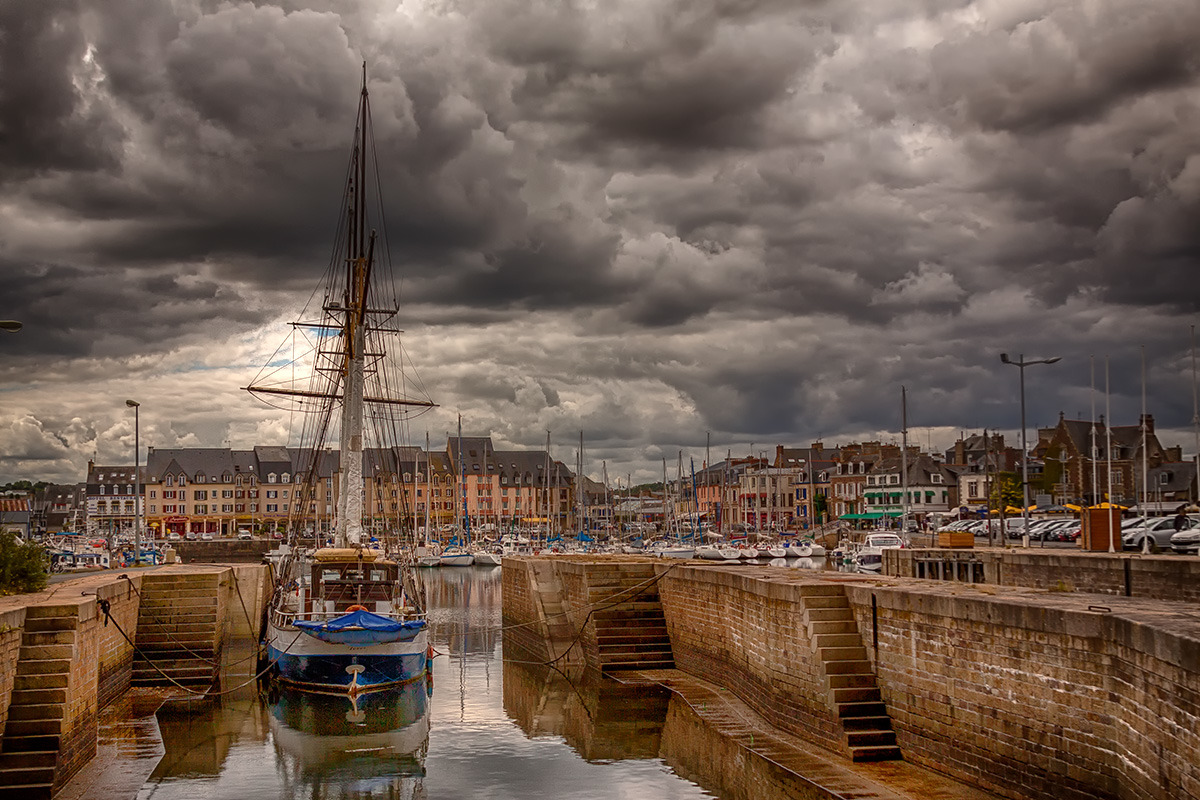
347	618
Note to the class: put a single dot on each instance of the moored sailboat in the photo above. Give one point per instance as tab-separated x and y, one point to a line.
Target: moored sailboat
347	618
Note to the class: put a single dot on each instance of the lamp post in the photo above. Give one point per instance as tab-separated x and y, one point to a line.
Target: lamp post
10	325
137	486
1021	364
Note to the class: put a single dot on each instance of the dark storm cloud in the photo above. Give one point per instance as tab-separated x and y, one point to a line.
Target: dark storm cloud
46	122
652	217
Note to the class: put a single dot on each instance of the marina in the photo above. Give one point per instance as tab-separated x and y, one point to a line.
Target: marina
607	674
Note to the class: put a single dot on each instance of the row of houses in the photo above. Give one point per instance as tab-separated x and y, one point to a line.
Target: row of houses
220	491
1074	462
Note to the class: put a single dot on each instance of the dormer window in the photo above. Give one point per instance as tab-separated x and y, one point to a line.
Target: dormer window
407	477
936	478
285	478
170	480
1164	478
199	477
272	477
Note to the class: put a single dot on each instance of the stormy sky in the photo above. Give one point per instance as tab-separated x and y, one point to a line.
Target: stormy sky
642	219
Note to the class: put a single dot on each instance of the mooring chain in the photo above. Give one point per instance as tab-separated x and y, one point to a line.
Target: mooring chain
104	606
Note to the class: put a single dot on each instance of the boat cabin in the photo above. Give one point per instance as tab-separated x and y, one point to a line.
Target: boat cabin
338	584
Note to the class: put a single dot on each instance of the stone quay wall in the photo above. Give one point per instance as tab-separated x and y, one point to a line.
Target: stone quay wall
12	627
748	635
99	658
1028	693
1162	577
1038	694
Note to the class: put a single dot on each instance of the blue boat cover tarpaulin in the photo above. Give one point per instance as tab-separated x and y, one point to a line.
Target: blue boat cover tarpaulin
360	628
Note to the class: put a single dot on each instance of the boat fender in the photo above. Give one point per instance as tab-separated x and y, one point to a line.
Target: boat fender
356	608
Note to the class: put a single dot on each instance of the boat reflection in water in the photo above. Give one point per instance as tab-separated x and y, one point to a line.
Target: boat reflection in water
333	747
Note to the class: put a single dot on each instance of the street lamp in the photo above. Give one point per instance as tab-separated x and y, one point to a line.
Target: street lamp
10	325
1021	364
137	486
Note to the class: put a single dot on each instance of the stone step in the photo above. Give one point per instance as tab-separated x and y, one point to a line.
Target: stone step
48	624
830	615
633	636
843	626
876	723
619	666
625	659
48	666
842	653
152	584
864	709
616	648
29	697
632	607
823	640
43	612
43	652
831	601
168	605
821	590
163	640
875	753
24	776
867	694
37	638
860	681
854	666
36	711
26	791
29	758
868	738
33	743
57	680
32	727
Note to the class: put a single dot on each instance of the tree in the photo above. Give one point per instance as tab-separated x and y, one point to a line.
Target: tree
1005	491
23	565
820	507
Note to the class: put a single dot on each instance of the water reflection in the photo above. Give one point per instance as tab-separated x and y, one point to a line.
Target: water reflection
505	731
334	747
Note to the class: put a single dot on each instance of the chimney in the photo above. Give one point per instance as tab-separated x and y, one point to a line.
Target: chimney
1148	419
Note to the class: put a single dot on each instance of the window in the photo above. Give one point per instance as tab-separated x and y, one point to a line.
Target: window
285	478
936	478
238	482
254	508
1164	478
102	488
407	477
201	494
271	477
272	494
239	508
182	494
226	508
170	480
272	507
199	477
153	509
153	494
202	508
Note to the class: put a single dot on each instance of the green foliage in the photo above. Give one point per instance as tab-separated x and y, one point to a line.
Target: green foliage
24	486
23	565
820	507
1005	491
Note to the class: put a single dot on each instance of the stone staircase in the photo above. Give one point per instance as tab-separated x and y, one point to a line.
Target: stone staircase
177	632
29	749
632	632
853	689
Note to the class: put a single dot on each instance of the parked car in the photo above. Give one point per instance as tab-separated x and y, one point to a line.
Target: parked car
173	537
208	537
1187	540
244	536
1158	530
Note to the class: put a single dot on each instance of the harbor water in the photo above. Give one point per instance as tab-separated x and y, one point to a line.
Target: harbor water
485	728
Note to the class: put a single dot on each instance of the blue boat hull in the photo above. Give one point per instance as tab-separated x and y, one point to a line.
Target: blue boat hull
311	664
328	673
